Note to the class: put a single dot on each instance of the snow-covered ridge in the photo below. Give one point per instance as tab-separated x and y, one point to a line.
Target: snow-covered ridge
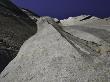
78	20
85	20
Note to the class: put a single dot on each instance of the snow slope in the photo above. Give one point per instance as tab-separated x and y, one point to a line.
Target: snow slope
85	20
62	54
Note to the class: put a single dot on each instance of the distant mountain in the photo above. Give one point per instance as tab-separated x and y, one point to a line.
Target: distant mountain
85	20
15	28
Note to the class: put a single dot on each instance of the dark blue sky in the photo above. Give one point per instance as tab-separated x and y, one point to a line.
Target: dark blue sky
65	8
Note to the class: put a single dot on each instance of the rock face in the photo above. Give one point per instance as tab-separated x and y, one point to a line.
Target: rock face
14	30
62	54
32	15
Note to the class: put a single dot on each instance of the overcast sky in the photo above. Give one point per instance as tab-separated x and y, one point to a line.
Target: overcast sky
66	8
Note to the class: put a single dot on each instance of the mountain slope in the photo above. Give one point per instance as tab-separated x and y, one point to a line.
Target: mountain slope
14	30
62	54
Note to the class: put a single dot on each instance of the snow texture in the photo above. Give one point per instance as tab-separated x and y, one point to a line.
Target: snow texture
85	20
62	53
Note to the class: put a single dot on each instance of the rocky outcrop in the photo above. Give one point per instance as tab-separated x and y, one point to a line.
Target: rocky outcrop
62	54
14	30
32	15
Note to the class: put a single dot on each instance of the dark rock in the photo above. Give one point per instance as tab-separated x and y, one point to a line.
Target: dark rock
88	17
15	28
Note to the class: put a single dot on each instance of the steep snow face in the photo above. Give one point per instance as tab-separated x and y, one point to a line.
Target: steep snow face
62	54
85	20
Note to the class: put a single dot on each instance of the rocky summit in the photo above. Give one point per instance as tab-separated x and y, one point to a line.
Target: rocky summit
14	30
57	53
